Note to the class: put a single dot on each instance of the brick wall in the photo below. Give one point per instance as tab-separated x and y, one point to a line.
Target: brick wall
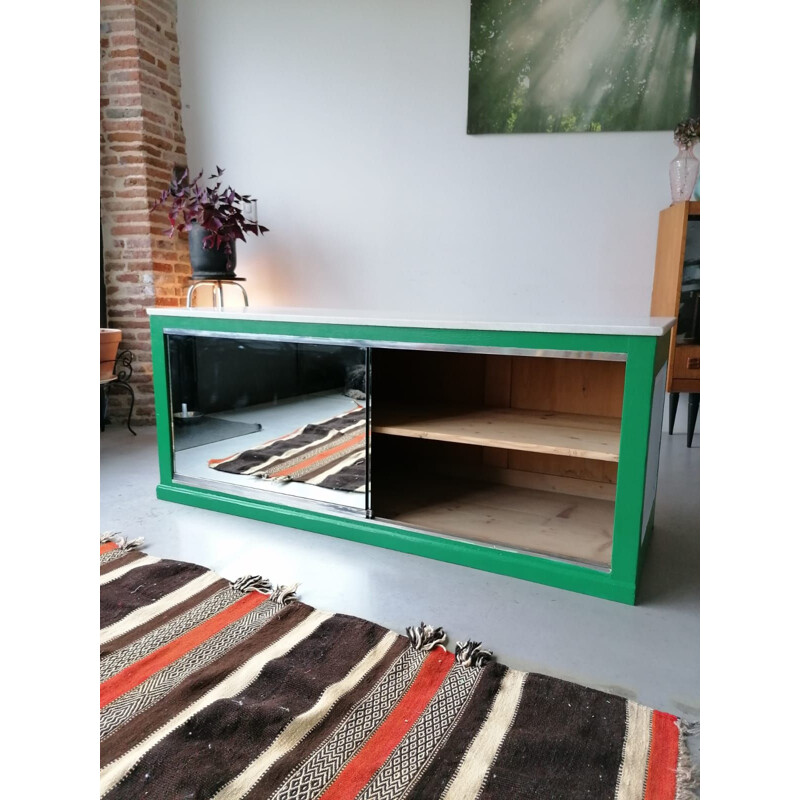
141	140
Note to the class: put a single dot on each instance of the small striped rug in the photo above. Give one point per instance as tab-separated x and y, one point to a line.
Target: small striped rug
331	454
214	689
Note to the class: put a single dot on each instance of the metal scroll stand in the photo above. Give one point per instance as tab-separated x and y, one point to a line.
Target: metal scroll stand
121	376
216	288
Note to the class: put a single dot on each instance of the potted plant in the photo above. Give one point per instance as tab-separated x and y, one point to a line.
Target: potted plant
214	218
683	169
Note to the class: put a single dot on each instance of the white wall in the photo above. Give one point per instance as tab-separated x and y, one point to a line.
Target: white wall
347	120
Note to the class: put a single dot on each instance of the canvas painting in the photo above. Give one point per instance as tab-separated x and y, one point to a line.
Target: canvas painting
583	65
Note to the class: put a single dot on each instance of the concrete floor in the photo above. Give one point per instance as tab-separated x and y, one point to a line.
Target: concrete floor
649	652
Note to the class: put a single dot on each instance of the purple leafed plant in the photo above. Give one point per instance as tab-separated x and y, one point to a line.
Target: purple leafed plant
217	210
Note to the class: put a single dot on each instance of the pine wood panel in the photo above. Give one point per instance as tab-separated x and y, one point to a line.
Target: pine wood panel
551	432
580	468
561	525
497	394
571	386
497	384
545	482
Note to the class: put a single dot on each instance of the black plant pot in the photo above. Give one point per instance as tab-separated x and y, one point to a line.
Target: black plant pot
208	262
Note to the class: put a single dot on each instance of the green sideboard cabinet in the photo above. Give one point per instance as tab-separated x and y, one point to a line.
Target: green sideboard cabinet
525	449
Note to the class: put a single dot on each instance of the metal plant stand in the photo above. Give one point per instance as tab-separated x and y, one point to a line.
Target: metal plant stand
123	370
216	288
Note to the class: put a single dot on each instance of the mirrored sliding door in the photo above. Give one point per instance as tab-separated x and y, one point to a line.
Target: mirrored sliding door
255	415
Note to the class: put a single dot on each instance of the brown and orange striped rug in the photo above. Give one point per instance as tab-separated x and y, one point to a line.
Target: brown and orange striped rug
331	454
213	689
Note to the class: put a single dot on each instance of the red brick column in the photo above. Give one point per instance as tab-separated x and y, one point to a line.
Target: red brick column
141	141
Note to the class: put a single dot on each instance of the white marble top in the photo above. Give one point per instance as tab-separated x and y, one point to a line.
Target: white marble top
621	326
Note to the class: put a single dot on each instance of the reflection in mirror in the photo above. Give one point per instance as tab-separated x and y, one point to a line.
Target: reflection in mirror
275	416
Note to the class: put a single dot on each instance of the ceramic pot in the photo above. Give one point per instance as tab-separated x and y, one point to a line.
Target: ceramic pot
208	262
109	344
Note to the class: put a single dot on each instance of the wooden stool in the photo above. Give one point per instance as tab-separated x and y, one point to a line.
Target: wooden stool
216	288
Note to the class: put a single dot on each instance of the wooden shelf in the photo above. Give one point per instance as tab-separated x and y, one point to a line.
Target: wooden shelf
549	523
576	435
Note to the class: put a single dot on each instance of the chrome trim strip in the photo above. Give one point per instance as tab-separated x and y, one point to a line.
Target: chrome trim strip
279	498
586	355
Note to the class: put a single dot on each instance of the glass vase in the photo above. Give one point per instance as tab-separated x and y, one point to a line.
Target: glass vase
683	170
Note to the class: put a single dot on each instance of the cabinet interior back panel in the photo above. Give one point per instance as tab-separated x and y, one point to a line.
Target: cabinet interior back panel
573	386
586	469
424	377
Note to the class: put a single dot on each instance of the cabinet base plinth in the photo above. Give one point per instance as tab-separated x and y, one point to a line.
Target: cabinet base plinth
573	577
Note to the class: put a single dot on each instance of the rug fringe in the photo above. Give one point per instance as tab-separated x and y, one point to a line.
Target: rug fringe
426	637
470	654
120	541
124	544
285	594
253	583
687	781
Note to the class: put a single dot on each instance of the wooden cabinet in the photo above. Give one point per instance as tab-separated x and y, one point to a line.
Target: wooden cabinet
526	449
676	293
686	363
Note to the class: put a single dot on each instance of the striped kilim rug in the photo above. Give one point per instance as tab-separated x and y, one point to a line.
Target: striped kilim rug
213	689
330	453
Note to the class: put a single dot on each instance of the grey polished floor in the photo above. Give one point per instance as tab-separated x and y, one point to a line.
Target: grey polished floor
649	652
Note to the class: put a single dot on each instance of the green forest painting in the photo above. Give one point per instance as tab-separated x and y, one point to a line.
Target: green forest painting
583	65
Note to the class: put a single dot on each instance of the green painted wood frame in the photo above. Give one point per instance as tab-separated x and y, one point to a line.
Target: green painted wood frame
644	357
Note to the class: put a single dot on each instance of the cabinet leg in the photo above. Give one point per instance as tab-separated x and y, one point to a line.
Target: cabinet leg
673	409
694	407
